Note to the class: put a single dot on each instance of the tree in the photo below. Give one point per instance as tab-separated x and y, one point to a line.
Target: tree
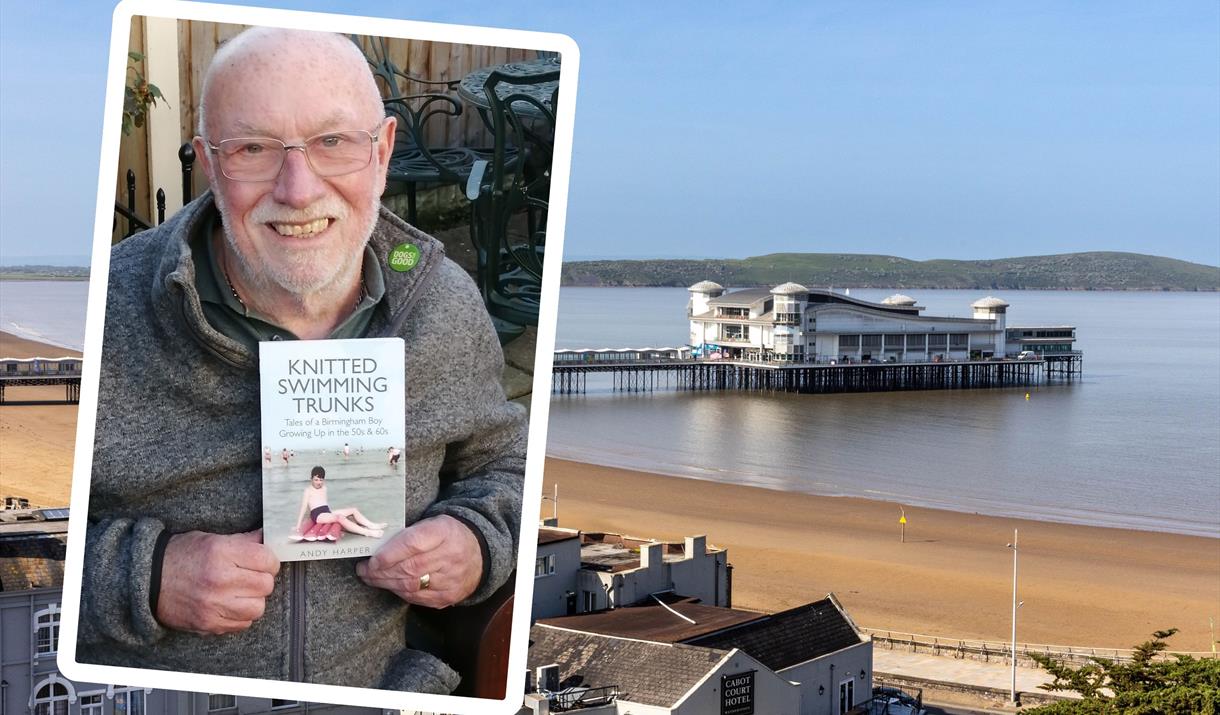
1146	685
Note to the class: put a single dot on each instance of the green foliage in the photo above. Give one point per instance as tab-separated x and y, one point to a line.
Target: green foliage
138	95
1146	685
1102	270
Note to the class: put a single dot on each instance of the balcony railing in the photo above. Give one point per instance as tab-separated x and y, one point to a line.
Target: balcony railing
579	698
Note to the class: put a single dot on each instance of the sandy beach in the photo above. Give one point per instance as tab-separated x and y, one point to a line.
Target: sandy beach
952	577
37	441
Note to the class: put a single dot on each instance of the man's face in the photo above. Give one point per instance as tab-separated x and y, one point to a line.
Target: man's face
300	232
317	482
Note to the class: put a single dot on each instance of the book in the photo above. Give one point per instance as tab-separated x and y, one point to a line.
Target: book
333	428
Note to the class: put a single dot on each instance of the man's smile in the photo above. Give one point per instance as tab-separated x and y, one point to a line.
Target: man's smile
307	228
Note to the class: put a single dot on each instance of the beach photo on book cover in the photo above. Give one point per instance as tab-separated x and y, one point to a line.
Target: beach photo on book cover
332	417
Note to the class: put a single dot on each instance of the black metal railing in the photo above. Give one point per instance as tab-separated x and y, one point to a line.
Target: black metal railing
127	209
578	698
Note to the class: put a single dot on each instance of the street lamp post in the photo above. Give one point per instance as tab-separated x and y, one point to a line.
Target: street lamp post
554	504
1015	605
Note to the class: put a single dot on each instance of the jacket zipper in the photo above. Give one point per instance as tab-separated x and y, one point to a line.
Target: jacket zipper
296	611
296	572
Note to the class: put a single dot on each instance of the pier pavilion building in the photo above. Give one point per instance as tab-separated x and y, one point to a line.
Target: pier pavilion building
794	324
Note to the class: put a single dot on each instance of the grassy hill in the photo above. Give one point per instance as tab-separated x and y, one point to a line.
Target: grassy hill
44	273
1101	270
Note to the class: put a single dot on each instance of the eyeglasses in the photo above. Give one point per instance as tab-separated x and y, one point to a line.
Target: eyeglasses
262	158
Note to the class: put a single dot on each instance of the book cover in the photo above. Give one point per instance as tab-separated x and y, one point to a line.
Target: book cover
333	432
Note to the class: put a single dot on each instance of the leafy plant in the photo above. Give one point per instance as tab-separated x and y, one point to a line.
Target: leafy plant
138	95
1147	685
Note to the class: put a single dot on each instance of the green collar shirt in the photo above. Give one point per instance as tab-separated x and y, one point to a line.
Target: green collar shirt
234	320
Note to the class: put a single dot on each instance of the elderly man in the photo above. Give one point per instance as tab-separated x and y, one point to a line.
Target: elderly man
290	243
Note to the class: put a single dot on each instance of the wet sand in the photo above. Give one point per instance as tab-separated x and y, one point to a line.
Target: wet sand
952	577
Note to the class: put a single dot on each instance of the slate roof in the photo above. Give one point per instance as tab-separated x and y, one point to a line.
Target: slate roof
790	637
32	551
745	296
651	621
657	674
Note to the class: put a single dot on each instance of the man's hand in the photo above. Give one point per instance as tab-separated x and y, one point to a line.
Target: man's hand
443	548
215	584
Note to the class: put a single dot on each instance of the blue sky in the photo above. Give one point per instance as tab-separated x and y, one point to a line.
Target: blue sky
925	130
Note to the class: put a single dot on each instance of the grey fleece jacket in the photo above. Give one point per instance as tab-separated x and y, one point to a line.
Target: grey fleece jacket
178	448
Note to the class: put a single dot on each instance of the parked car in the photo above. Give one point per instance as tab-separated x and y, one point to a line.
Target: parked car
1028	355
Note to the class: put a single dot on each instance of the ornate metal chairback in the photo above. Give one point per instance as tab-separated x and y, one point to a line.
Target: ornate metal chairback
389	75
522	118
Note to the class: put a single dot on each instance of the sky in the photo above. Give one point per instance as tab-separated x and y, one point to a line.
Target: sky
924	130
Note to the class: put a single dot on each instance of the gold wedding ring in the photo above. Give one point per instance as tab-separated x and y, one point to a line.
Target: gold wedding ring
425	581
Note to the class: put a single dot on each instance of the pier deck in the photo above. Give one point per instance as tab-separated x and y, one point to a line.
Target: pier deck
71	385
646	376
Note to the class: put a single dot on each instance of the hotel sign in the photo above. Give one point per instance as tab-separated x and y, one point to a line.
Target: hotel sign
737	694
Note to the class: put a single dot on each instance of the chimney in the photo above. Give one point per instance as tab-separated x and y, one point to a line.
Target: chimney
653	553
537	704
696	546
548	677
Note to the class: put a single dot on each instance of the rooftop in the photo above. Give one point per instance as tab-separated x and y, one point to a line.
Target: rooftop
602	551
790	637
654	622
658	674
33	543
990	302
552	534
743	297
789	288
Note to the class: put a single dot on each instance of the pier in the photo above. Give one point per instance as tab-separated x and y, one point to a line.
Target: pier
568	377
41	372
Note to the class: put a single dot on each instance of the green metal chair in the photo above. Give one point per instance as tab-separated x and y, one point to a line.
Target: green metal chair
412	161
510	263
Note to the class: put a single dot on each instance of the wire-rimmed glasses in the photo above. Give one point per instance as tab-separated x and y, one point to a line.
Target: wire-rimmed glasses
262	158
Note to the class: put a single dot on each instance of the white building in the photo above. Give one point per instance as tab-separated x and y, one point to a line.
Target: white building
578	572
794	324
687	658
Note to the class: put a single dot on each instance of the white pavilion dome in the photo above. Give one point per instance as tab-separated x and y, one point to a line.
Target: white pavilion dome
789	288
706	287
990	302
899	299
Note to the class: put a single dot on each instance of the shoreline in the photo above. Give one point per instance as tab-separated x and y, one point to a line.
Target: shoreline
1082	585
734	286
1066	519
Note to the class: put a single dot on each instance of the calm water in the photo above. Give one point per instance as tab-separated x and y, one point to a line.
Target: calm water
50	312
1135	443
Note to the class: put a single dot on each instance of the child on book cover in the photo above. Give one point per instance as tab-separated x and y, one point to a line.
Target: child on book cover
315	502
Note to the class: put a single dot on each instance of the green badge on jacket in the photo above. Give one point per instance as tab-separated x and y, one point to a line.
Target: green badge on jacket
404	257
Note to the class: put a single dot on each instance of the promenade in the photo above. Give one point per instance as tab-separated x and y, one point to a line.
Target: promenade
966	682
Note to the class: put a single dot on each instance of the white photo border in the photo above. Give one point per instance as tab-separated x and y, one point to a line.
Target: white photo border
539	410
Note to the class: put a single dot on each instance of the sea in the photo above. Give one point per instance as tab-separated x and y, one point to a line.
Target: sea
51	312
1133	443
